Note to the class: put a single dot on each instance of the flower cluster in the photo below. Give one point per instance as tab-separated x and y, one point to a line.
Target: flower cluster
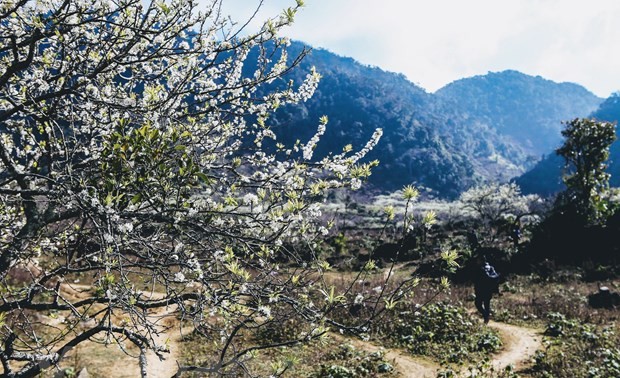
131	144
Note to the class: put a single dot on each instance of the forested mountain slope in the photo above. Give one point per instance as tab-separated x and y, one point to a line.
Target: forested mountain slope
440	141
546	177
527	109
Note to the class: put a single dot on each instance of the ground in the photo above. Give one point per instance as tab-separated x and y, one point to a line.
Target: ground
519	345
519	320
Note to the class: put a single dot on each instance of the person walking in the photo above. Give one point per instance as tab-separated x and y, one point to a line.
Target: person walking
486	283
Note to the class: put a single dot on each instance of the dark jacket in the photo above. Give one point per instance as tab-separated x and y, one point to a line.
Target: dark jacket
486	281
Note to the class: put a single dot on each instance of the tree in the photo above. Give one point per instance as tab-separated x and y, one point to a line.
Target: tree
585	150
136	156
492	204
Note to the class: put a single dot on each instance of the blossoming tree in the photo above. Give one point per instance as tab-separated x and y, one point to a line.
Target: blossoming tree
136	157
493	204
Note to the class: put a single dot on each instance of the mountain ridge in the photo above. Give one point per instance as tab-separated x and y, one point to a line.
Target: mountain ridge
438	141
545	178
525	108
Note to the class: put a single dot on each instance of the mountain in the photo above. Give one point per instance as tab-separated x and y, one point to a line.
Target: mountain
545	178
610	111
431	140
529	110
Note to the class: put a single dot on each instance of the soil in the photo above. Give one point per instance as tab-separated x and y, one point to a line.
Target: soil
410	367
169	336
109	361
403	362
520	344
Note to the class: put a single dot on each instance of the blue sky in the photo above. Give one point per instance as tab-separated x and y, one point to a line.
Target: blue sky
434	42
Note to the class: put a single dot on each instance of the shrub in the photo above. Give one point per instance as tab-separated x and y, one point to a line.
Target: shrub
348	362
575	349
442	331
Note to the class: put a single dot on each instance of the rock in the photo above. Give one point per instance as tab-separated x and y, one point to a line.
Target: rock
604	298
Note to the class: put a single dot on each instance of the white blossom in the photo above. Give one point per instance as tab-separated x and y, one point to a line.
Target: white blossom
359	299
264	311
125	228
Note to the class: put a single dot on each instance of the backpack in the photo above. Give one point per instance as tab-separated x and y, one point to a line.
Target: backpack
491	277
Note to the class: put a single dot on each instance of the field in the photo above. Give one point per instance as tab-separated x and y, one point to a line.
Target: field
540	328
425	325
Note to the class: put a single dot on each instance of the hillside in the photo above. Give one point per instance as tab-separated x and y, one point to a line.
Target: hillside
359	99
440	141
529	110
545	177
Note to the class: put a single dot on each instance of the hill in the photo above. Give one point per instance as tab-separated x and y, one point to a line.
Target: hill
527	109
439	141
545	177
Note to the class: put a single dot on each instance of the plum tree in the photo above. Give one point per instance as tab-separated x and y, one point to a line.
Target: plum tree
136	156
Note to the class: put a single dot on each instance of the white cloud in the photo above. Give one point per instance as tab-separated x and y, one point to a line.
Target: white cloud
434	43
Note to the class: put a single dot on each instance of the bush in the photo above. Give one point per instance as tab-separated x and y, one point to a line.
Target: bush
574	349
442	331
348	362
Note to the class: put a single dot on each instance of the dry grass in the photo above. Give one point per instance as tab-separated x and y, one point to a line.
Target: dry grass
527	299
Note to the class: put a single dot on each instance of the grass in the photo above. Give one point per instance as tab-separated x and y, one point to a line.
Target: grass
446	330
526	300
328	356
576	349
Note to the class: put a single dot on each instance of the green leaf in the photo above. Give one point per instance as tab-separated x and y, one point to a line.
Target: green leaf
135	199
203	177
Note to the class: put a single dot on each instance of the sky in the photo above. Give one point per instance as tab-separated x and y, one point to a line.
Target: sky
434	42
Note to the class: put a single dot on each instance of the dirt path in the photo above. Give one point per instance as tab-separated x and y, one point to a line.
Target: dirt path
169	336
520	343
403	363
124	365
410	367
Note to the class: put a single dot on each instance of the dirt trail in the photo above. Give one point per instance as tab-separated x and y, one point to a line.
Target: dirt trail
168	335
410	367
405	364
519	345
